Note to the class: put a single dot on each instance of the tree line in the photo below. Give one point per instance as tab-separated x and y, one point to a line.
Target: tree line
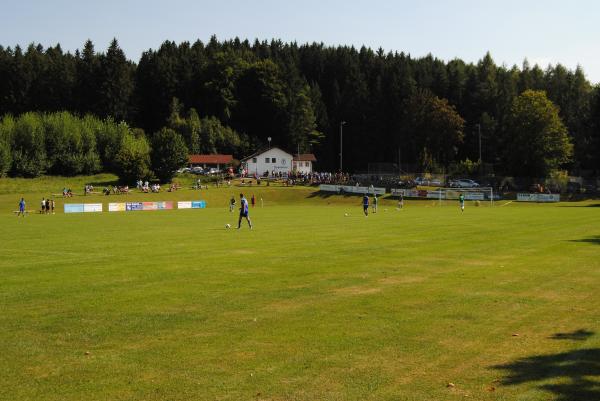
230	96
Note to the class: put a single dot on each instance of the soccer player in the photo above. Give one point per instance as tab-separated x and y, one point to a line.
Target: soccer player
366	205
375	202
461	200
401	202
244	211
21	208
43	206
231	203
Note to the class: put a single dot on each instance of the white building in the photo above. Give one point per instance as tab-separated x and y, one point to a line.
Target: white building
303	163
273	160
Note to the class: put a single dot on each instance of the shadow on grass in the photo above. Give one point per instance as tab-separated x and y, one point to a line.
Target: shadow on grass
577	335
574	375
590	240
592	205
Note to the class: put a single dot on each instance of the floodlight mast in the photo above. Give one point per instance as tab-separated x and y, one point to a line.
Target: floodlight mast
342	123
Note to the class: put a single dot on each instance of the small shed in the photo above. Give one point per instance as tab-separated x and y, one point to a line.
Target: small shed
303	163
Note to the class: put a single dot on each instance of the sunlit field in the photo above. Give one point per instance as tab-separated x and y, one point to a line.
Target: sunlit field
424	303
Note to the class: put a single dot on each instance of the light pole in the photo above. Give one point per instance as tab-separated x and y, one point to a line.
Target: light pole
479	131
480	159
269	139
342	123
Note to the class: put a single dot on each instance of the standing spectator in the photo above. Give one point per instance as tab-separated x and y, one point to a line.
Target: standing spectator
375	202
253	200
21	208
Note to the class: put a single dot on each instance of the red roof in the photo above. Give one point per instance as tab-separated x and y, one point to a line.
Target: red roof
306	157
211	159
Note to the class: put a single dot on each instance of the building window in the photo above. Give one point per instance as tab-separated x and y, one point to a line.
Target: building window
266	159
306	164
254	160
273	160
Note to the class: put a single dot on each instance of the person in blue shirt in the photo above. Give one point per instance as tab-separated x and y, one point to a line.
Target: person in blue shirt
21	208
366	205
244	211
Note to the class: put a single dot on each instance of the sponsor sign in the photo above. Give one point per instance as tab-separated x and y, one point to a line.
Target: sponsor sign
475	196
82	207
184	205
523	197
92	207
198	204
352	189
149	206
116	207
73	208
436	194
164	205
134	206
329	188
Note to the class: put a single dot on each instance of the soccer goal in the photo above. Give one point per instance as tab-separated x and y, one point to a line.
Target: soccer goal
480	194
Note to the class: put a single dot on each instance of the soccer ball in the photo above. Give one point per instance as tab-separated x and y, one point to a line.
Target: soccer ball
346	214
227	225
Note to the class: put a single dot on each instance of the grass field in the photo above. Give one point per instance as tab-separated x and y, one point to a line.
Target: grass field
502	302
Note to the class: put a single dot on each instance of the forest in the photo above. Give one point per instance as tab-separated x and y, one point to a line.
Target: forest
229	96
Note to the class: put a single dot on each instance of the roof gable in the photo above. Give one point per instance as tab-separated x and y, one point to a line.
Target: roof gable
210	159
263	151
305	157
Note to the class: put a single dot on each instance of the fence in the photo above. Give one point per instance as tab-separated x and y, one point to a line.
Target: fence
575	185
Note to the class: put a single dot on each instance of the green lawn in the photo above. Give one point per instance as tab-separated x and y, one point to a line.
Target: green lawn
502	302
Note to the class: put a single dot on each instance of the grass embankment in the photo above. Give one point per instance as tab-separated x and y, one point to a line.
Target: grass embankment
311	305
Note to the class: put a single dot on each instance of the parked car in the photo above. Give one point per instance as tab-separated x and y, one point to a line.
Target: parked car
214	170
463	183
184	170
197	170
421	181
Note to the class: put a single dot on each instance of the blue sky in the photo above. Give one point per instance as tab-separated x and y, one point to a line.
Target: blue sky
544	32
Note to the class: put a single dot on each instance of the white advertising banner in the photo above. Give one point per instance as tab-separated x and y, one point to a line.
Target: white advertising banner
92	207
184	205
350	189
538	197
329	188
